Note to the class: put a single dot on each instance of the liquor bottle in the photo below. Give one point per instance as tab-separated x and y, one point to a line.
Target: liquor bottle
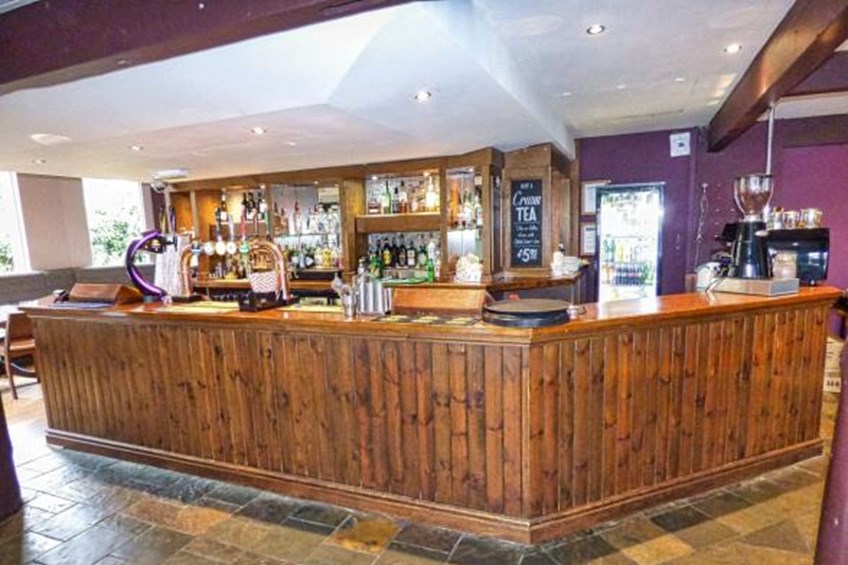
422	253
394	252
411	255
401	254
297	218
403	199
478	210
431	249
431	270
387	200
263	206
395	202
387	253
223	209
246	209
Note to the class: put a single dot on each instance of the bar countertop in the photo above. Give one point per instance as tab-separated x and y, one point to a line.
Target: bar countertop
598	317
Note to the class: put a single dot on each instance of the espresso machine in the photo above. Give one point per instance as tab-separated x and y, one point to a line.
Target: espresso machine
750	266
749	252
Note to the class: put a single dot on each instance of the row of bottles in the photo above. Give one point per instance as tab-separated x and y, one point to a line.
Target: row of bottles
627	274
322	256
402	251
625	250
319	219
465	200
411	195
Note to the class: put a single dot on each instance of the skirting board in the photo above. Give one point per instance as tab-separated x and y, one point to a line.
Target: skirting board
517	529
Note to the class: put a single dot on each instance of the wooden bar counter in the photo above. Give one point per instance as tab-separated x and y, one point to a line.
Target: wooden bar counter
517	433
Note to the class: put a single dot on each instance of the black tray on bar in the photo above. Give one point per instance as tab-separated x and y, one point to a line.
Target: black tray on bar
256	302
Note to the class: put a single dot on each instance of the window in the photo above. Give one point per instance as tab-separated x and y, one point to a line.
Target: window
13	255
115	213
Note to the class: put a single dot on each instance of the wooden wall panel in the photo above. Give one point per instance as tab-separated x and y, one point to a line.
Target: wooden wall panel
676	401
525	431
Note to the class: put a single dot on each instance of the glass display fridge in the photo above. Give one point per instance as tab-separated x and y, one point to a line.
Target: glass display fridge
629	244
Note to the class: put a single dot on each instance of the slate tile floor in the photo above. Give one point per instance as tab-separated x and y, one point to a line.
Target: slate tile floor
83	509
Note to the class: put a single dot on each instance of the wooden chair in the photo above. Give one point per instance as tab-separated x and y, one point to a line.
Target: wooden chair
18	343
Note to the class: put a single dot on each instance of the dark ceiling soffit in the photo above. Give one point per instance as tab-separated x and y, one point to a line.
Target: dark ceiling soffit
820	130
831	77
55	41
808	35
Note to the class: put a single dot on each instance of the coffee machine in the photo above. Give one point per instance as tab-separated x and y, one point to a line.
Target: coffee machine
749	253
750	265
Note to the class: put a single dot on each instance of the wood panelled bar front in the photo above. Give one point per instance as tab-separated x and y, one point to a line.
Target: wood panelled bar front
517	433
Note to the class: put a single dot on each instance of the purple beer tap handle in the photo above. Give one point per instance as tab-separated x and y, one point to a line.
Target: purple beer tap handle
144	243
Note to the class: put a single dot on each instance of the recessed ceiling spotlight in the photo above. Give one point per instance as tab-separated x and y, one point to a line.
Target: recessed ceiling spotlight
733	48
565	94
291	143
49	138
40	161
596	29
423	96
679	79
123	62
258	130
620	86
136	147
374	177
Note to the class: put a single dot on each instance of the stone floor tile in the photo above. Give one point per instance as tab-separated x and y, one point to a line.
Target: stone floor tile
249	558
721	554
589	549
693	527
321	514
89	547
126	524
783	535
188	558
216	504
644	542
25	548
816	465
153	510
197	520
403	554
28	494
213	550
369	534
239	531
754	555
25	519
293	544
153	546
186	490
269	508
50	503
758	490
538	558
722	504
234	494
44	464
52	480
296	524
334	555
791	478
111	560
439	539
473	551
114	498
70	522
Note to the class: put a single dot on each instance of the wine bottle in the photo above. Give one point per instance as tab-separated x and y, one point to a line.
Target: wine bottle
411	255
401	254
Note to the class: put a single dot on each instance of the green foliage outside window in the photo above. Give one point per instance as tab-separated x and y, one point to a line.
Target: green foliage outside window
111	234
6	262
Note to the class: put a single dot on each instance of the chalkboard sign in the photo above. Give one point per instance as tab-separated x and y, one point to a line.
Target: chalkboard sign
526	213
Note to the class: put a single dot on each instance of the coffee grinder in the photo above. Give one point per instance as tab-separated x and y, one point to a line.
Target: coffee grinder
749	252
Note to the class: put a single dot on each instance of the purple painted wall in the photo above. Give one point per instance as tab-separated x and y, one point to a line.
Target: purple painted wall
644	157
815	176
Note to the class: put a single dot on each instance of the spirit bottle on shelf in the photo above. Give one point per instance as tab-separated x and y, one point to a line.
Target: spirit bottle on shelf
411	255
401	254
387	200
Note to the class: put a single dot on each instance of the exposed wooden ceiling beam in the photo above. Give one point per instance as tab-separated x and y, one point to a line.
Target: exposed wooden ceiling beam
809	34
831	77
48	42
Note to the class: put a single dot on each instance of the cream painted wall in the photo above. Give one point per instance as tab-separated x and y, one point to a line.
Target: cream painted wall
53	210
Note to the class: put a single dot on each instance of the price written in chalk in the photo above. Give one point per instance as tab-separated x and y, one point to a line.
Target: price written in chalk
526	215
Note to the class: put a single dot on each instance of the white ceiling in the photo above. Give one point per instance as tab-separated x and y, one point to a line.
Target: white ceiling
341	92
